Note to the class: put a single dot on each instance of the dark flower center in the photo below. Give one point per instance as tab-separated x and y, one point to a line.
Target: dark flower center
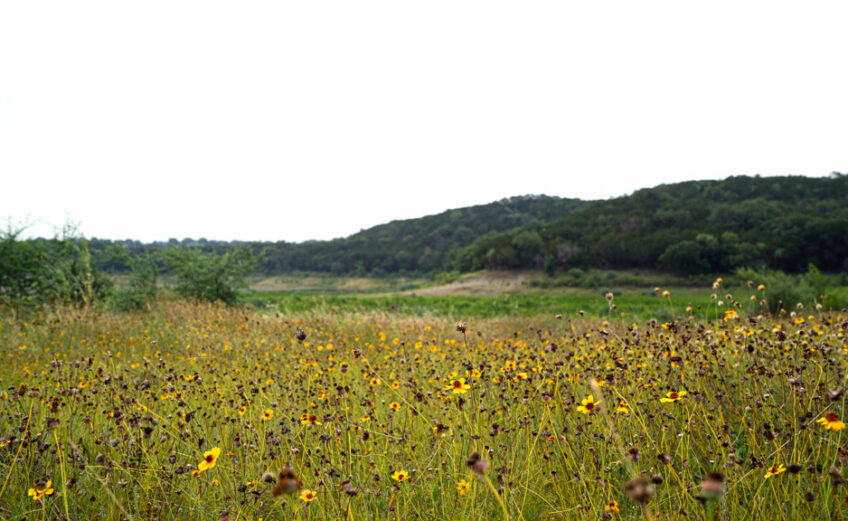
674	396
590	406
831	417
210	458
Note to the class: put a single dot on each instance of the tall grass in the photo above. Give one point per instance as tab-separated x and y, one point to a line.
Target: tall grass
118	410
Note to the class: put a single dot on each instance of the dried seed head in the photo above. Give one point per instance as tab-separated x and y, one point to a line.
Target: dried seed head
287	483
461	327
639	489
713	485
835	476
348	489
476	463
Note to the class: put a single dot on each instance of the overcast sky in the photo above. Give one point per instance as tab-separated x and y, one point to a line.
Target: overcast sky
312	120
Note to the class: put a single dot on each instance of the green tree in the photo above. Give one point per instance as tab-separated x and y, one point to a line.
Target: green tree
23	269
49	271
144	272
686	257
210	276
528	247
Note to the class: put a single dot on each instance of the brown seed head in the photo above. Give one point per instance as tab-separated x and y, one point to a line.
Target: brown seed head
348	489
713	485
639	489
477	464
835	476
287	483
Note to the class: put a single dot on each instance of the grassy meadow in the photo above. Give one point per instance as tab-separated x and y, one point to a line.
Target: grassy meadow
488	294
631	305
331	406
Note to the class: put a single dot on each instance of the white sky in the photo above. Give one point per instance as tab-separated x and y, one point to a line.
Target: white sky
298	120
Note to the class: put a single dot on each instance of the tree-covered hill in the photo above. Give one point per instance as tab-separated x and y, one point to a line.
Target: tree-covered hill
419	245
690	227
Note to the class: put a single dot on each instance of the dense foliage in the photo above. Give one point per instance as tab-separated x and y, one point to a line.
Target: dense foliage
420	245
56	271
62	271
209	276
688	228
694	227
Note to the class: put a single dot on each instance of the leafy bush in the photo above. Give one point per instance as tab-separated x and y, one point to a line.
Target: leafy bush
782	291
210	276
48	271
127	300
575	273
835	299
257	303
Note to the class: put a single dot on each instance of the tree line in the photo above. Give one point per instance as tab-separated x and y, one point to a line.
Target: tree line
690	228
695	227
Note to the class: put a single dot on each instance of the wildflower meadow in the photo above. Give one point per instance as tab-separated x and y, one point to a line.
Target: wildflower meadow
201	411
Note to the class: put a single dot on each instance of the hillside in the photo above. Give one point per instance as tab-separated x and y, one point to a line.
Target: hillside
420	245
687	228
691	227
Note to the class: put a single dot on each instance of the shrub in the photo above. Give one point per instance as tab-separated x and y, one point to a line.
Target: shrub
835	300
576	273
127	300
36	272
210	276
782	291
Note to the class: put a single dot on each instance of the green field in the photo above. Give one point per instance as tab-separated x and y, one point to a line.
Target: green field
528	293
630	305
